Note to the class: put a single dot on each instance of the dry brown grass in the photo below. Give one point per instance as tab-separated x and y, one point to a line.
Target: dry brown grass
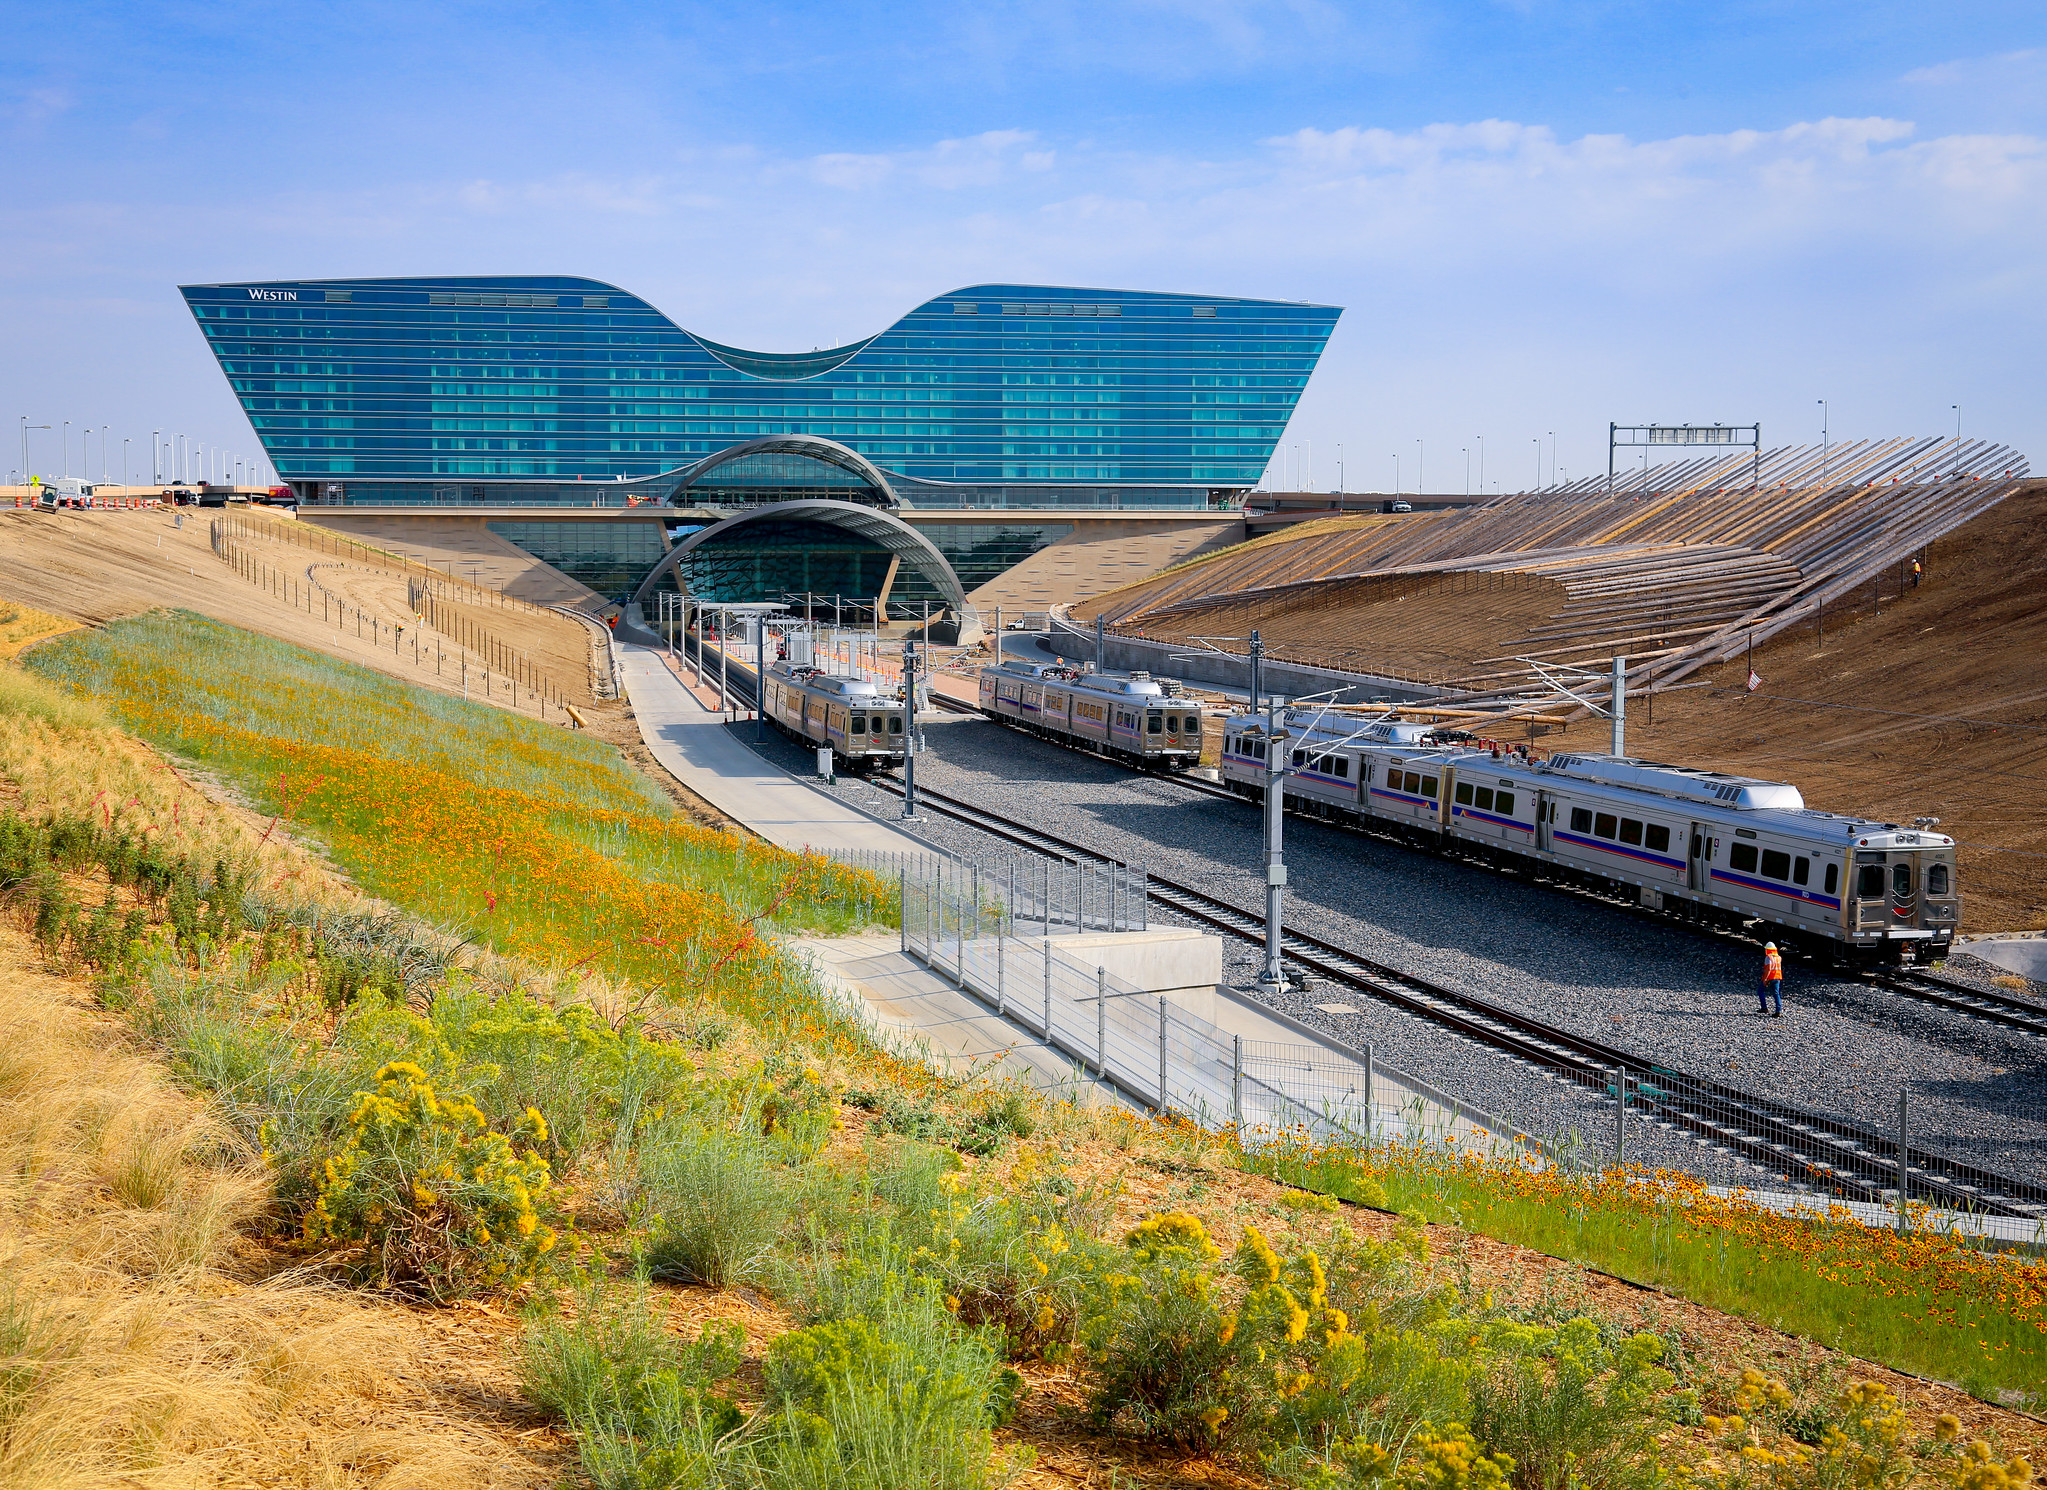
139	1342
22	626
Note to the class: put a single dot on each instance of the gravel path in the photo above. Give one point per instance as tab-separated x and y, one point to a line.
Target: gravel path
1674	996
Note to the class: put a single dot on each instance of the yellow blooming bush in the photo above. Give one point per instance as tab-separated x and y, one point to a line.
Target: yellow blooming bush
1014	1259
428	1197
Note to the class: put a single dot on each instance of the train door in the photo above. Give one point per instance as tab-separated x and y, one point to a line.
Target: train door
1872	890
1904	885
1545	809
1700	859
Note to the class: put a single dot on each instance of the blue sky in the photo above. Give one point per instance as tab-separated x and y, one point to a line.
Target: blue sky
1538	216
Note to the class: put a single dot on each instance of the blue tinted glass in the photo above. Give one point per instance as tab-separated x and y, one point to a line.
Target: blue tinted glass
524	379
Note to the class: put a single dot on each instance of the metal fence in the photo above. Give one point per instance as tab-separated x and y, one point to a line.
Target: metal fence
994	930
1020	895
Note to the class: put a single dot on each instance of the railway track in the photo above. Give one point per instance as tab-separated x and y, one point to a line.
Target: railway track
1828	1152
1907	983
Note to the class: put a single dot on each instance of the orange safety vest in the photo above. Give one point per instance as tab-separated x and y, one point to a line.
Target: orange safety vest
1773	966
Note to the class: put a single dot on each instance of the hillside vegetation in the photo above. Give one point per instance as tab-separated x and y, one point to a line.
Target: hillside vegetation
466	1024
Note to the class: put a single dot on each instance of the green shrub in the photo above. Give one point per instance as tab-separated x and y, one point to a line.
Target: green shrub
617	1356
1020	1260
717	1204
1573	1408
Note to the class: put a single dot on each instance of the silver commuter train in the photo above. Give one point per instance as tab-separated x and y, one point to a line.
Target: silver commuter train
1132	716
1704	846
860	719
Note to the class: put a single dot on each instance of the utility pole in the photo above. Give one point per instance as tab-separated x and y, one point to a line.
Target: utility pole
760	677
1620	706
1257	667
909	731
1272	979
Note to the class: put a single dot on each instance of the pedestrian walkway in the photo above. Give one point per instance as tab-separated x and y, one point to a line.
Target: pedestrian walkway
908	1004
688	737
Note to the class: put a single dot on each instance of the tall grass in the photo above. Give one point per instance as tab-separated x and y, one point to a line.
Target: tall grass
544	842
1926	1303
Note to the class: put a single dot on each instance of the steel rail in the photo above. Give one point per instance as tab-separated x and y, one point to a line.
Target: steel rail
1836	1151
1922	987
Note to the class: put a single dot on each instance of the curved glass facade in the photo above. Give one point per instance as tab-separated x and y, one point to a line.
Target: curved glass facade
391	386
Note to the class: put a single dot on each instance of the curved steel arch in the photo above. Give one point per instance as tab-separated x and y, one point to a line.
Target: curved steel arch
826	452
892	533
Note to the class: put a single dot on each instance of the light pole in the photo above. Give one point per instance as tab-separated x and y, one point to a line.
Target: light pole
1465	451
1538	464
155	456
1958	437
1339	471
1420	450
909	730
1272	978
1395	457
25	428
1552	457
1479	440
1826	415
64	454
124	461
105	430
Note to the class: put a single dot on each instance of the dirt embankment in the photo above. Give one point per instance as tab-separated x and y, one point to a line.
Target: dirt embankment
1930	705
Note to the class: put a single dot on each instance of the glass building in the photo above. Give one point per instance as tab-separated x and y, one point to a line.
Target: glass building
522	391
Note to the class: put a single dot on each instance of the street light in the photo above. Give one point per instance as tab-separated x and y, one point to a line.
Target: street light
64	454
1396	473
1958	437
1465	451
155	457
1420	450
1552	457
1826	415
1537	443
1480	439
25	428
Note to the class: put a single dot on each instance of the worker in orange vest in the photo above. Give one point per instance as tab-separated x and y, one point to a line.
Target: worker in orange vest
1772	986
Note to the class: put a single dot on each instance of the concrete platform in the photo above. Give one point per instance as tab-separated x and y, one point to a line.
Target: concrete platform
915	1010
687	736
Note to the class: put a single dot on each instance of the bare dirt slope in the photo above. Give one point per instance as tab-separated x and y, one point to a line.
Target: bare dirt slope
1936	706
463	546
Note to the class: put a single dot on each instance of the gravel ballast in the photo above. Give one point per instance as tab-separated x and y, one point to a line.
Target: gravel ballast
1673	996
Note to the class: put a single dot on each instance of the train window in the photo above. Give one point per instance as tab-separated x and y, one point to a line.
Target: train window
1464	793
1631	830
1157	724
1936	879
1581	820
1300	757
895	725
859	724
1411	782
1503	803
1428	786
1657	838
1833	878
1776	864
1742	856
1801	870
1901	878
1485	799
1869	883
1342	765
1605	825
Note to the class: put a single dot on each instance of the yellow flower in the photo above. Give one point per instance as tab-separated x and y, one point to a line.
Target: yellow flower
1213	1418
1947	1427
